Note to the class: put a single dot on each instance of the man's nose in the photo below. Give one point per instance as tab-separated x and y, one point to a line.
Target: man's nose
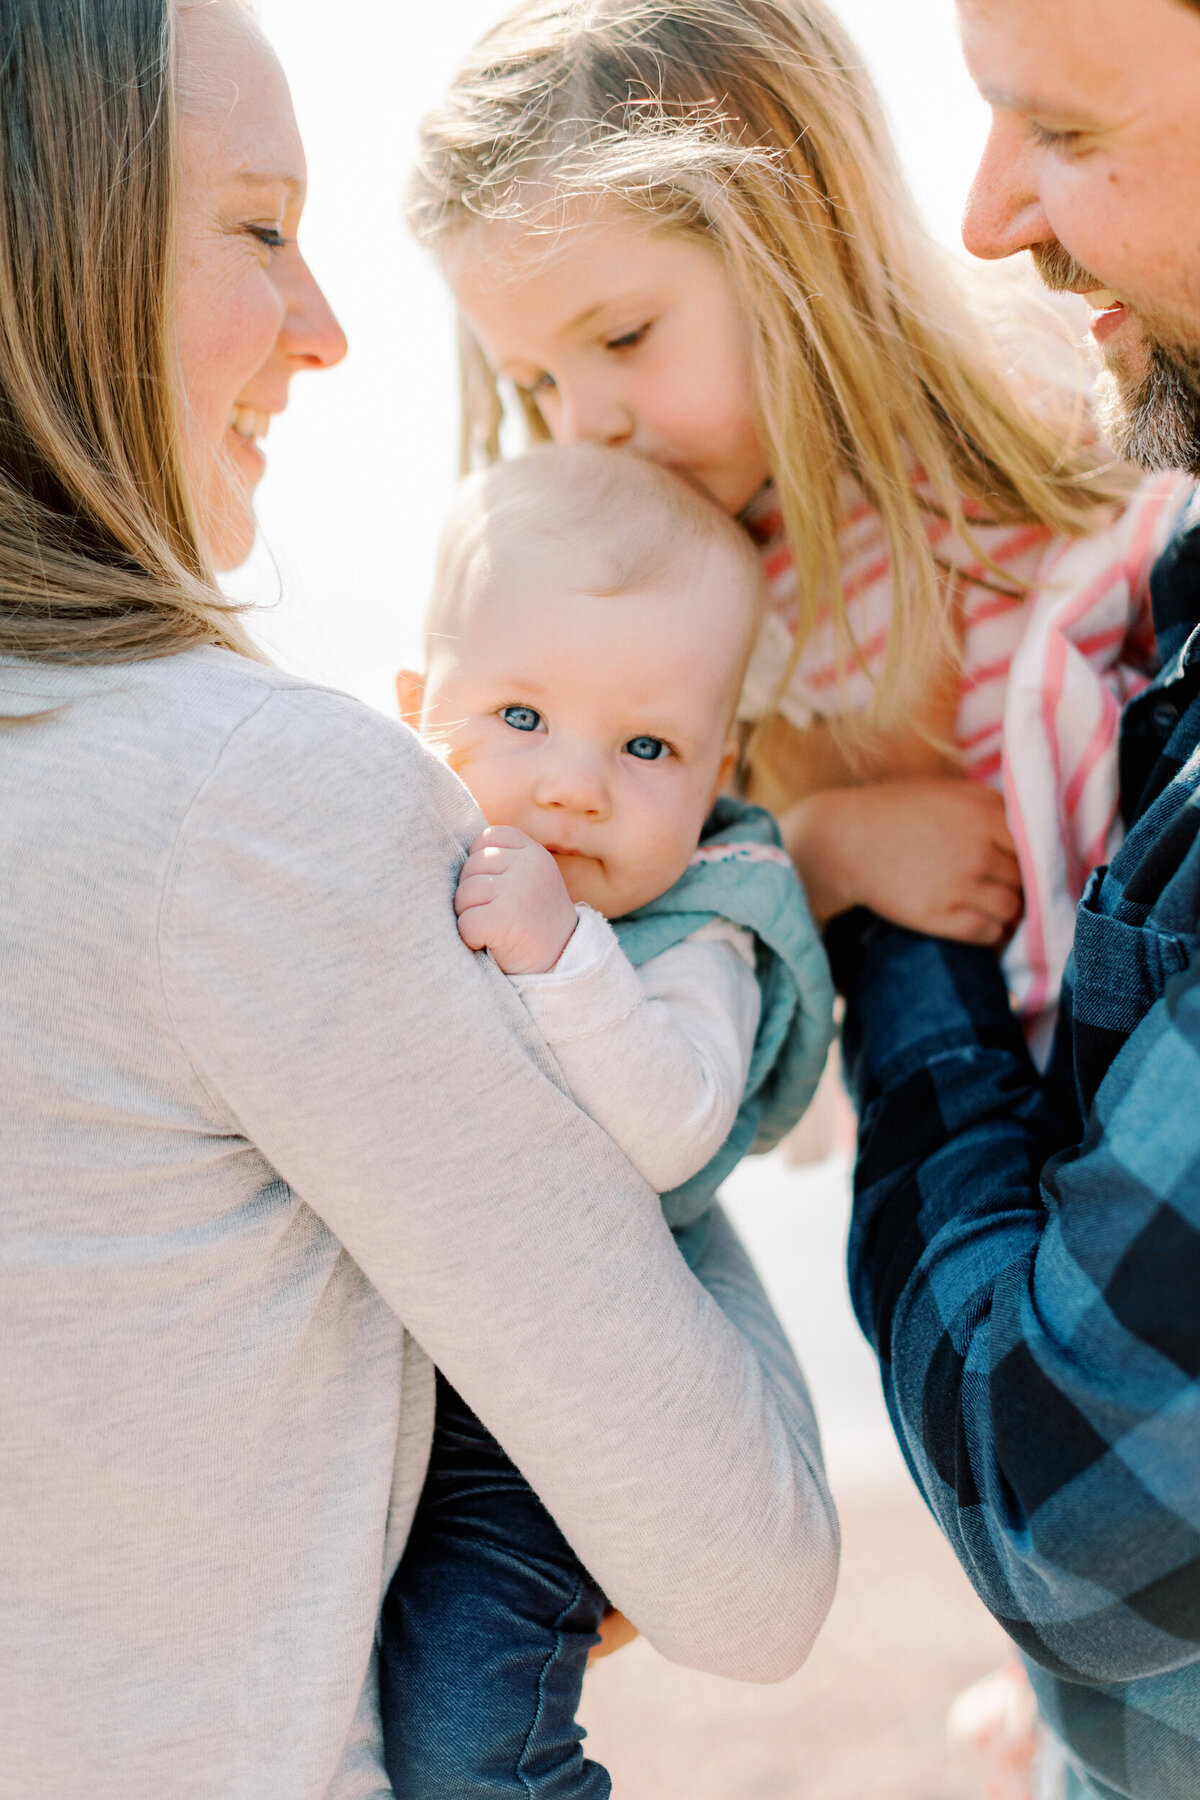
1004	211
311	334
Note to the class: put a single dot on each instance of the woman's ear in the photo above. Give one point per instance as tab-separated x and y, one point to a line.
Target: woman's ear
410	692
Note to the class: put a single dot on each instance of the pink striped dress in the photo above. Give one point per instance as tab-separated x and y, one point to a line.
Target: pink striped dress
1044	681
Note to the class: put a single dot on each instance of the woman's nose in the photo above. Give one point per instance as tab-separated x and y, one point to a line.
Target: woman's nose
311	333
1004	211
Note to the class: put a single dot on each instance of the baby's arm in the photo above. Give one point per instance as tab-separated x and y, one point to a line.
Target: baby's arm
657	1056
658	1060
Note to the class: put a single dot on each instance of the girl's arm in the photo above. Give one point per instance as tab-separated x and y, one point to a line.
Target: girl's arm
933	853
902	833
344	1032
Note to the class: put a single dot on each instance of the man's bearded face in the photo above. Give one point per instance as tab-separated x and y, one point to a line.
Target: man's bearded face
1148	405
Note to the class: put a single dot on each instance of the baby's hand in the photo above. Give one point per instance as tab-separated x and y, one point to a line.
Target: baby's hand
931	853
512	901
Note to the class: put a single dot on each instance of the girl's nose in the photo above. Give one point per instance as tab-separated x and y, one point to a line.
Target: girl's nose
593	416
1004	211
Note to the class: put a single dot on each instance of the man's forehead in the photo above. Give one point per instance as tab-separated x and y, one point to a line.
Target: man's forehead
1063	58
1046	56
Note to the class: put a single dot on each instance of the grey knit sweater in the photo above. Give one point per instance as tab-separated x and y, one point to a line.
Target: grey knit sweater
270	1138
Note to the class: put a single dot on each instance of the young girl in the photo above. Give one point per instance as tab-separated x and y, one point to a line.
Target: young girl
678	226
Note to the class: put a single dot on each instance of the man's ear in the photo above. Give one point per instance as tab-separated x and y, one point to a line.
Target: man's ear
410	692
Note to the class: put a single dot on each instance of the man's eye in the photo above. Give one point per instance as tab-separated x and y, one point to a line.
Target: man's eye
1063	141
521	718
648	749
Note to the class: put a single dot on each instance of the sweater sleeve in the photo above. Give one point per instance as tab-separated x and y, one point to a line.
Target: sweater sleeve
659	1055
321	992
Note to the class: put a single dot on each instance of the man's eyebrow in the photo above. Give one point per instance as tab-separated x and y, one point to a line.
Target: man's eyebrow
1033	105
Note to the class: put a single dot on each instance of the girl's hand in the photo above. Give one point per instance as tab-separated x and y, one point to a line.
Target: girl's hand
932	853
512	901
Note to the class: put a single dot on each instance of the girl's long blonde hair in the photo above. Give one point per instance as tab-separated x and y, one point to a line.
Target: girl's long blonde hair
101	559
753	125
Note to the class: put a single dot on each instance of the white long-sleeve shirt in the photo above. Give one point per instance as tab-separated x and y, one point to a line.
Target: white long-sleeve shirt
657	1055
271	1139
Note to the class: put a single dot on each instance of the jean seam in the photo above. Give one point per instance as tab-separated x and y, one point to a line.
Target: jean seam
572	1603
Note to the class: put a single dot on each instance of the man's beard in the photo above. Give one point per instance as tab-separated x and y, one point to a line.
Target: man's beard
1152	419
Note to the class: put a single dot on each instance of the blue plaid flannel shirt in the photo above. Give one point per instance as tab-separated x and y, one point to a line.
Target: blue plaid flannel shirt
1025	1255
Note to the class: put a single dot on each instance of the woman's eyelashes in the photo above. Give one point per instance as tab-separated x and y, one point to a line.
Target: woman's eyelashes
268	235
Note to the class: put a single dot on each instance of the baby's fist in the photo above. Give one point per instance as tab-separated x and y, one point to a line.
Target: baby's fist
512	901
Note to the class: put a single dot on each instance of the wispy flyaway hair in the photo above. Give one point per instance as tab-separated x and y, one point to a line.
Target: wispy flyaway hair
100	556
618	522
752	125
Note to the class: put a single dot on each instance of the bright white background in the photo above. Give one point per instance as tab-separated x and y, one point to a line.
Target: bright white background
360	465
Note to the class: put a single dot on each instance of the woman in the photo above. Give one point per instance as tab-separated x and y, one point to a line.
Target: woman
271	1137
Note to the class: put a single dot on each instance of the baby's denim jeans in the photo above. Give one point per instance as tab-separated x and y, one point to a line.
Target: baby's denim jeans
485	1635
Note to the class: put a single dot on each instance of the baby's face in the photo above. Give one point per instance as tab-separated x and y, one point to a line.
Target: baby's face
597	724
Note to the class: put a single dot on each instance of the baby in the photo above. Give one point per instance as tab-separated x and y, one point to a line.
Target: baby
592	620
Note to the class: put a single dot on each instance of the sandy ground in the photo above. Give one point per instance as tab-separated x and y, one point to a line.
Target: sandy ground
865	1718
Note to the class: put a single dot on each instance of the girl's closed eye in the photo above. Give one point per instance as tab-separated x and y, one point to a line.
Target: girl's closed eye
628	340
522	718
648	749
268	235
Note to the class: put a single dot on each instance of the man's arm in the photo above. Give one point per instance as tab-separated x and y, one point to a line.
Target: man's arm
1036	1315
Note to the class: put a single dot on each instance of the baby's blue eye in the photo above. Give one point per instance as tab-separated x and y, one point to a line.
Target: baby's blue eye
521	718
647	749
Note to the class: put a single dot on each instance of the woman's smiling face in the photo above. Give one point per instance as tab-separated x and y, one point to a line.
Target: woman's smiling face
623	336
249	313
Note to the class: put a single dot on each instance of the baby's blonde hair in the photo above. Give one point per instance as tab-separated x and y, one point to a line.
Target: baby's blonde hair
752	125
622	522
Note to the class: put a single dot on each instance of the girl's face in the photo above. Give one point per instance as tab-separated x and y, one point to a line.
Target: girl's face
622	336
250	314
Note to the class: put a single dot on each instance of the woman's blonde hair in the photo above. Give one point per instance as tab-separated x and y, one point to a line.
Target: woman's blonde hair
101	559
753	125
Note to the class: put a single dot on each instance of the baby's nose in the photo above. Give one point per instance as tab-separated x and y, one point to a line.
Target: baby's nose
576	784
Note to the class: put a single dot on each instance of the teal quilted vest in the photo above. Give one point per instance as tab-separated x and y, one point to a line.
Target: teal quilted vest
741	872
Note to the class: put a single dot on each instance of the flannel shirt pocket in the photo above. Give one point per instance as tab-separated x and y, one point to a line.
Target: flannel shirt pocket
1120	971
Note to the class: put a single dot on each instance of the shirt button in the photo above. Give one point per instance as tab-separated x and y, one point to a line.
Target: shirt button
1165	718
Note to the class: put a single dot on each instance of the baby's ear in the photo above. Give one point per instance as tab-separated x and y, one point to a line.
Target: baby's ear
728	769
410	692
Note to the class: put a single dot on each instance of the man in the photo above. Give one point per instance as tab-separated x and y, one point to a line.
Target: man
1025	1253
